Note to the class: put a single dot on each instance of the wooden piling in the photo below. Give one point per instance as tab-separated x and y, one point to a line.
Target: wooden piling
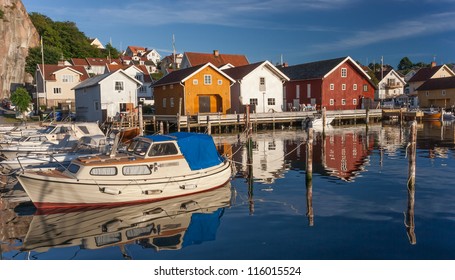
309	177
141	120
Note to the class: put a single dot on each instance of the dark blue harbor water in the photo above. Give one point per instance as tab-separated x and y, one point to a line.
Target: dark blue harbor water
356	206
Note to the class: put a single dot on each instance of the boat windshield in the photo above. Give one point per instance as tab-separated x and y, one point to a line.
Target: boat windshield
140	148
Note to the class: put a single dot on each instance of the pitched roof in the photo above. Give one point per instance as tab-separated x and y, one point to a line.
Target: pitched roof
240	72
424	74
319	69
439	83
98	78
311	70
182	74
50	69
216	59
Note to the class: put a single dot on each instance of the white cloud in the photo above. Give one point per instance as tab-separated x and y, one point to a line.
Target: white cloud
430	24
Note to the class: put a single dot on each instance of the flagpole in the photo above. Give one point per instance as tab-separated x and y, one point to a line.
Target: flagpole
44	76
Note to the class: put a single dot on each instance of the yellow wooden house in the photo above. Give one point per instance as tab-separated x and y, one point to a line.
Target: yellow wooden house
199	89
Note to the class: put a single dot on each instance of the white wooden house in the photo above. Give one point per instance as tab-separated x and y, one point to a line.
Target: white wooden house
259	85
106	96
390	85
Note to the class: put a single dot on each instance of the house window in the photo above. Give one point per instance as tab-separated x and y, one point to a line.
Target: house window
119	86
343	86
164	102
67	78
443	92
142	89
57	90
163	88
171	102
271	101
354	101
332	102
344	72
207	79
354	86
171	86
195	81
262	83
220	82
253	101
297	91
308	90
343	101
427	93
332	86
365	87
96	105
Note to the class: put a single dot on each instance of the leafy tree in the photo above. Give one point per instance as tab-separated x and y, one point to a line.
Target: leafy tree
111	51
405	64
61	40
21	99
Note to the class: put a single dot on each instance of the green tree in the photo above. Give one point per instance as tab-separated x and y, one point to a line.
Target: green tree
405	65
21	99
61	40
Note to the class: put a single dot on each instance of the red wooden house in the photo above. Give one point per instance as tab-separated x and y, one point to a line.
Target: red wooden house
336	84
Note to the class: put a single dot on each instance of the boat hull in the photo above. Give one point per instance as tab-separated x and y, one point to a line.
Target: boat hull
50	191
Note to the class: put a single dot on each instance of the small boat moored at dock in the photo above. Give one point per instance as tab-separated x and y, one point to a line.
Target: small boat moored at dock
152	168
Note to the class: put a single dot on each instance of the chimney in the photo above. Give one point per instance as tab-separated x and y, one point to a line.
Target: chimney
216	53
285	64
61	63
433	64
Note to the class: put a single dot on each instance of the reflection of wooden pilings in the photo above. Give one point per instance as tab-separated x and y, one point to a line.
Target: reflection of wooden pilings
409	222
250	174
324	119
309	177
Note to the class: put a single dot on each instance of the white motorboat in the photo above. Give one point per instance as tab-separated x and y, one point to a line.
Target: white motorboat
86	146
56	138
153	168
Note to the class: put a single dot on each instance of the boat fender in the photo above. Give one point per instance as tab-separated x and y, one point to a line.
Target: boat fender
188	187
152	211
111	225
152	192
111	191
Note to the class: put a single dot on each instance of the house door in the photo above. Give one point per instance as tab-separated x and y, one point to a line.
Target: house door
204	104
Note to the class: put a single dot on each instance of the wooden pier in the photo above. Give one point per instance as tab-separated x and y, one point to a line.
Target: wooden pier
402	113
274	119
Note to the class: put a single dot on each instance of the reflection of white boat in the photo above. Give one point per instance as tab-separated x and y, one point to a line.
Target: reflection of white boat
168	224
152	168
86	145
448	116
317	122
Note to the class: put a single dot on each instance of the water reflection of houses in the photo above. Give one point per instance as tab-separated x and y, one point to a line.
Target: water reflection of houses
341	152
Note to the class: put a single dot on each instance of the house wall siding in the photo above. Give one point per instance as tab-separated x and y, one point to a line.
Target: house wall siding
436	99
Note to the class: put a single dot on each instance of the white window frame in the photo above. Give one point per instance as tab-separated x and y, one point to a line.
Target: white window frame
343	101
270	101
171	102
220	82
344	72
66	78
119	86
332	102
354	86
332	86
354	101
343	86
254	101
308	90
195	82
164	102
57	90
207	79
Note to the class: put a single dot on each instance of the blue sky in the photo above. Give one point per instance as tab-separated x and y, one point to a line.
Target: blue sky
298	31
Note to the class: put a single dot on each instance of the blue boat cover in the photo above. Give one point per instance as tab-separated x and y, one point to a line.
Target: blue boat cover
198	149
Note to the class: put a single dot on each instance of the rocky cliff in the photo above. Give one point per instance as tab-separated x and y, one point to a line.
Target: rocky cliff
18	35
